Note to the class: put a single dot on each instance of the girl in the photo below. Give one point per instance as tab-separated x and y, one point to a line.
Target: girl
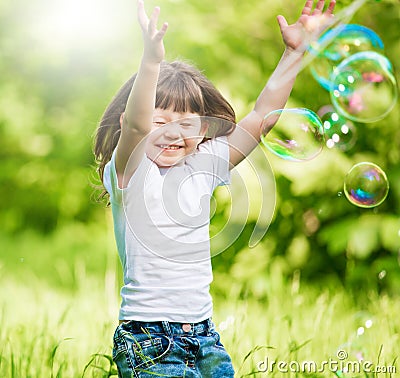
164	143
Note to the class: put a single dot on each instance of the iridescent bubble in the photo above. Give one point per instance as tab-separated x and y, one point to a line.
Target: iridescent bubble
366	185
340	132
325	109
357	348
364	87
363	319
297	134
337	44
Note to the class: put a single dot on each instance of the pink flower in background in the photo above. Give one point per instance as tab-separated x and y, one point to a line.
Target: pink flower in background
356	103
372	77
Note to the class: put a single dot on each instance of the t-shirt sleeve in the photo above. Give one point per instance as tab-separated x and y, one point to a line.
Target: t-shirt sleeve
110	181
110	178
218	148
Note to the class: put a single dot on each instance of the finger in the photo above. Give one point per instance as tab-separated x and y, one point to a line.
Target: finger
160	34
154	19
319	7
331	7
282	22
307	7
142	16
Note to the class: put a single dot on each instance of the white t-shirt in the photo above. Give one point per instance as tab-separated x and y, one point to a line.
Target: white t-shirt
161	225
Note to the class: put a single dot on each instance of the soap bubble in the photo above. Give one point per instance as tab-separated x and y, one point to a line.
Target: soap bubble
297	134
340	132
366	185
364	87
325	109
337	44
356	349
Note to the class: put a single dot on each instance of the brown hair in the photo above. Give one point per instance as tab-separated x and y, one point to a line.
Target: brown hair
182	88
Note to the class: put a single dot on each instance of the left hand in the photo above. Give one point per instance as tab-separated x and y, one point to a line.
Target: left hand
308	27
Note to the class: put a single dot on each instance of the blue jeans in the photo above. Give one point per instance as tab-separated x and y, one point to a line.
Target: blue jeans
174	350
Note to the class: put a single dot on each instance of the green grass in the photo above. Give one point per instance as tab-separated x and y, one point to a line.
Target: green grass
53	333
312	324
47	332
57	320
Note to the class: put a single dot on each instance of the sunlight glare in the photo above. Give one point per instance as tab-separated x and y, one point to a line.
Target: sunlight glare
80	22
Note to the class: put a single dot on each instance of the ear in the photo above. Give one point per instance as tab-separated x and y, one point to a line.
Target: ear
121	118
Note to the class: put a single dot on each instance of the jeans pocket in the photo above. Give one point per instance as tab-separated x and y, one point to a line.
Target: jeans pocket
137	352
149	349
119	344
217	339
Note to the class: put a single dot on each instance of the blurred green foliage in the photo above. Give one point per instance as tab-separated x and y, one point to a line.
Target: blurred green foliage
54	89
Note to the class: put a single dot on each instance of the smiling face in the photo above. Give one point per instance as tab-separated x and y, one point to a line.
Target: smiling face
174	136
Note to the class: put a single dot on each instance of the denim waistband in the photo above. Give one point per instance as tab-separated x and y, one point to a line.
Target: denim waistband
169	328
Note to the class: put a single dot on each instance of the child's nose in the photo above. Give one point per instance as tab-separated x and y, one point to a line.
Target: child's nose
172	130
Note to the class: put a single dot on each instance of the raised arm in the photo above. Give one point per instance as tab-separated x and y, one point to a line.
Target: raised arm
279	86
136	122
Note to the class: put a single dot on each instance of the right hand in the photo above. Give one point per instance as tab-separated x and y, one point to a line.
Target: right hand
152	37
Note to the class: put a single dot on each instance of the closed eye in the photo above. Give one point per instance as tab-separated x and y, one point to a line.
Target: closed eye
158	123
186	124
